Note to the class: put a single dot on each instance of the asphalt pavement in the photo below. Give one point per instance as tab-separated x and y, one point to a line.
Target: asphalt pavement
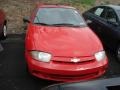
13	73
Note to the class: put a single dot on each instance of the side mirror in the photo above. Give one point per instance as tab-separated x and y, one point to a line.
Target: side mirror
26	19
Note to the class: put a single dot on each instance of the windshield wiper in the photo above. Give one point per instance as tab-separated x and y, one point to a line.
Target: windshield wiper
65	24
60	24
43	24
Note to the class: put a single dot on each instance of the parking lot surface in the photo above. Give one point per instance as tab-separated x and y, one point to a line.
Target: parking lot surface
13	73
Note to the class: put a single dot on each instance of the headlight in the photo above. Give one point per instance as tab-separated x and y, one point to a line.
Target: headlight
41	56
100	56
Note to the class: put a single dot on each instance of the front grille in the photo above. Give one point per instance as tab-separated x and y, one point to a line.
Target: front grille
67	60
83	62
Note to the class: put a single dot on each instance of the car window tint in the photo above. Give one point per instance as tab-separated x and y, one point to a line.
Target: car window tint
111	15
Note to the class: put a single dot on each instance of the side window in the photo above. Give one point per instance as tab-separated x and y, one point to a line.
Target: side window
100	12
111	15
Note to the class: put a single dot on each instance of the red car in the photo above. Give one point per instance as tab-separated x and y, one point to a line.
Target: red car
3	25
60	46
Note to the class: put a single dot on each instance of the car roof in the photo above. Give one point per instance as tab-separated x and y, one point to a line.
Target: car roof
53	6
115	7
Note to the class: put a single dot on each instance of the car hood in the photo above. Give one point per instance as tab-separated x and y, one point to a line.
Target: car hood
63	41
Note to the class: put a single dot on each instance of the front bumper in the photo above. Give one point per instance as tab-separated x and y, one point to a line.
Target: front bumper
66	72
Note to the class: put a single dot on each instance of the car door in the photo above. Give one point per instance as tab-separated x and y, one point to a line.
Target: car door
110	31
96	20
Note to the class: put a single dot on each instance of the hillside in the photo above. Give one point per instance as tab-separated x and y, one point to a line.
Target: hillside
17	9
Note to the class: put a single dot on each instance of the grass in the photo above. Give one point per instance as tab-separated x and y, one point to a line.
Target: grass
82	5
86	2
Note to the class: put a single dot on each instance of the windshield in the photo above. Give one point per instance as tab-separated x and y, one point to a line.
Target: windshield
59	16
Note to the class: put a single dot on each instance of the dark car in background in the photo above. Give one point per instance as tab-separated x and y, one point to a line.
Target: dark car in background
3	25
105	22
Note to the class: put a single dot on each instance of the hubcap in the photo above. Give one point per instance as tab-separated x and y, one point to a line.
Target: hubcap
5	31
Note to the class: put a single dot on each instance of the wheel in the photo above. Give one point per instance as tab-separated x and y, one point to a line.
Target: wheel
4	33
118	53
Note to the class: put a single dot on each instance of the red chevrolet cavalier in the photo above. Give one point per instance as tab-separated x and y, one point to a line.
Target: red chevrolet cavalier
60	46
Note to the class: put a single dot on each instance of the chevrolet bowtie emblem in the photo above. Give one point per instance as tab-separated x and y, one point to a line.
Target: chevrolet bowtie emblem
75	60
